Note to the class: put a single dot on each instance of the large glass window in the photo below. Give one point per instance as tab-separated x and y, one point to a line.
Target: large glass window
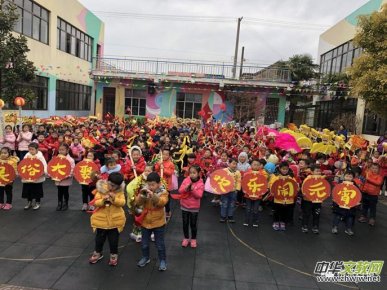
39	87
72	96
73	41
136	101
342	55
188	105
33	20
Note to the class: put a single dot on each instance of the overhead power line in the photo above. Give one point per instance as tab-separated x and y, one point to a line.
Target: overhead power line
216	19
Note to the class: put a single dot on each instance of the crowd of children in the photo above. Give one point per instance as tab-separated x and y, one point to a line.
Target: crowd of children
154	158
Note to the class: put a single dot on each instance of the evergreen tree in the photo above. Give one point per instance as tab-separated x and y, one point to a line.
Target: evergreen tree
368	75
15	68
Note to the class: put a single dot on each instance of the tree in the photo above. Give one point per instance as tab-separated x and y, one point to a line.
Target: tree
302	69
15	68
368	75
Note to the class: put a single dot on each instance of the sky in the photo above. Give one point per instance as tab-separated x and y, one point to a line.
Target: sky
206	29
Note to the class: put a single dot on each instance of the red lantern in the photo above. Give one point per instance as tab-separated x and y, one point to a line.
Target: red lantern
223	107
30	169
254	185
7	174
83	171
59	168
19	101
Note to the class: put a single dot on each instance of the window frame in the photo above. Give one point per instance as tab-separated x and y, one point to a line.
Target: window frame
72	96
77	40
36	11
138	95
188	100
40	87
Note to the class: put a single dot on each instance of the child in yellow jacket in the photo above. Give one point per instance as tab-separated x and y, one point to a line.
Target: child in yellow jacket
228	200
108	220
6	157
152	198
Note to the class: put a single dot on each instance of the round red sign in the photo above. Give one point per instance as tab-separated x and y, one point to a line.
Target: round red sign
254	185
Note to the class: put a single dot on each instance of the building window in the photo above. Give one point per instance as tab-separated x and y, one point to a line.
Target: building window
39	87
136	101
374	124
271	111
188	105
33	20
339	59
73	41
72	96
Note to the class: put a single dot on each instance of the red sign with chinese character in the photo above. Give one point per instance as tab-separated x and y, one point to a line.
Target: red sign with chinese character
222	181
346	195
7	174
83	170
30	169
284	190
254	185
316	189
59	168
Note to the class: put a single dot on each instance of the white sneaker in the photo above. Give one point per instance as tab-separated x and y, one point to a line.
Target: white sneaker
138	239
36	206
28	205
153	237
133	236
84	207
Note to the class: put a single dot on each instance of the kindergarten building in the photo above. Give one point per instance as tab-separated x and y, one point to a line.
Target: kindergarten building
336	53
64	38
167	88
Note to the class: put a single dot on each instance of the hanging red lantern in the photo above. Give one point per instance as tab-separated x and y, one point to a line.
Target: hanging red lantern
19	101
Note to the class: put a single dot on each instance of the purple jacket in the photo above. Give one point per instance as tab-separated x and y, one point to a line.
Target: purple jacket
380	142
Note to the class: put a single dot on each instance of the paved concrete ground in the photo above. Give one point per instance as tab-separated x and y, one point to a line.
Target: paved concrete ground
49	250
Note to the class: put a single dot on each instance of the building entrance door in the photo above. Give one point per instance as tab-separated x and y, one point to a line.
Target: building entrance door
109	101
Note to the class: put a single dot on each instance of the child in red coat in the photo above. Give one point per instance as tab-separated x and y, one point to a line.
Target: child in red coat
207	162
166	169
43	146
371	189
139	164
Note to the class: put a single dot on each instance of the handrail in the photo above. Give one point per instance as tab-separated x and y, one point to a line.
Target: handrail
195	69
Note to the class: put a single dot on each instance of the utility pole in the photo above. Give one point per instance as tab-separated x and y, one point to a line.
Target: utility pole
236	49
242	59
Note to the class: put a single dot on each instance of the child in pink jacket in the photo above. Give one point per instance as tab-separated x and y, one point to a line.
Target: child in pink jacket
63	185
77	150
191	191
9	139
24	139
